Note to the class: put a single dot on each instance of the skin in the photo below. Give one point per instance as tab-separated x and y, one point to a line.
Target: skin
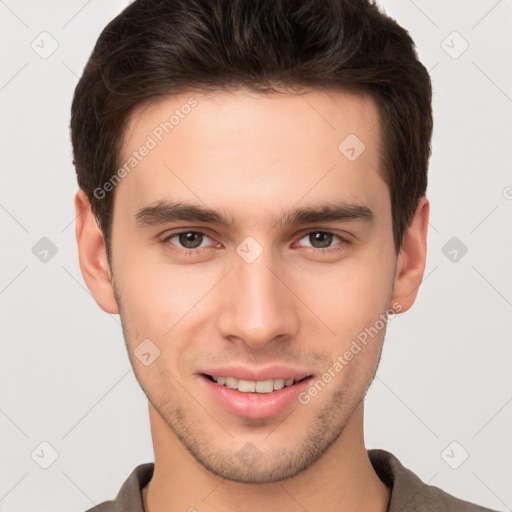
255	158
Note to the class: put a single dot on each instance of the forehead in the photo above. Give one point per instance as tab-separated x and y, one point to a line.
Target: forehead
242	114
240	147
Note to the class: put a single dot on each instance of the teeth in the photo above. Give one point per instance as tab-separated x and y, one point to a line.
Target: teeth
246	386
231	382
279	384
263	386
251	386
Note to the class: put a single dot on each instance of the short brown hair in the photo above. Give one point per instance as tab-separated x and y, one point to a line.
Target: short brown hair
155	48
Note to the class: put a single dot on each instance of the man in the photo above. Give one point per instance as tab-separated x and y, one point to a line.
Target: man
252	203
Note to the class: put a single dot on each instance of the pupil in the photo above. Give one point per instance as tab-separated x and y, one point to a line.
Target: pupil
190	240
320	239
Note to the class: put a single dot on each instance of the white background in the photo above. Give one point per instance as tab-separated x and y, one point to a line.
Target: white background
445	370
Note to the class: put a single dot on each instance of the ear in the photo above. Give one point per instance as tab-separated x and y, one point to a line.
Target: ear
93	255
410	264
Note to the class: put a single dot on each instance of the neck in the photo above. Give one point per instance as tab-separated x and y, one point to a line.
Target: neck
342	479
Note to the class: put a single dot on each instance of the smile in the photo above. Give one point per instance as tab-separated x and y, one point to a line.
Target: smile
251	386
253	398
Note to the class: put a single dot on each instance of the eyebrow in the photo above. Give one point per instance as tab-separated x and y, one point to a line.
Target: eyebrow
163	212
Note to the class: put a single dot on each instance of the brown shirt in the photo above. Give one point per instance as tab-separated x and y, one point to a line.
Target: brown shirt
408	492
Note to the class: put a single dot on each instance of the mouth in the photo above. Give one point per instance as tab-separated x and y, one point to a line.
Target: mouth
253	398
252	386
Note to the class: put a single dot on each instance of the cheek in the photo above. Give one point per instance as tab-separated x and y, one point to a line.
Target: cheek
159	300
347	297
163	301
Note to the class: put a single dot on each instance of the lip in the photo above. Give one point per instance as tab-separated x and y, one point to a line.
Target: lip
257	374
253	405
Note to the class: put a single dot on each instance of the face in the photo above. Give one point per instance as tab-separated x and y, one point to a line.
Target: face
251	248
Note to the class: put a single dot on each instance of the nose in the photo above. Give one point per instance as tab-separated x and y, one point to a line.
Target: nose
258	305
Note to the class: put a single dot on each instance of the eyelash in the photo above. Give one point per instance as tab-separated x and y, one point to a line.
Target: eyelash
192	252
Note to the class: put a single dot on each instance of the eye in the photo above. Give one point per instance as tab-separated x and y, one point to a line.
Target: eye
321	240
188	240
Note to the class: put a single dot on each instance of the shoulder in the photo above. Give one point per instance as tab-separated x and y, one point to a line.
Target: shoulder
409	492
106	506
129	498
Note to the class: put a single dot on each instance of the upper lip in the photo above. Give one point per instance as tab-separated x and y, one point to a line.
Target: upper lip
257	373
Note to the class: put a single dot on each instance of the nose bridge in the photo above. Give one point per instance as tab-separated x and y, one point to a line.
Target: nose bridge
259	307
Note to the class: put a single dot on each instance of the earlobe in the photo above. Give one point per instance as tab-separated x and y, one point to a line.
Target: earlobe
410	264
93	255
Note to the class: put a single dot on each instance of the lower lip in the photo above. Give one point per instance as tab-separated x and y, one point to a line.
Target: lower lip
254	405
